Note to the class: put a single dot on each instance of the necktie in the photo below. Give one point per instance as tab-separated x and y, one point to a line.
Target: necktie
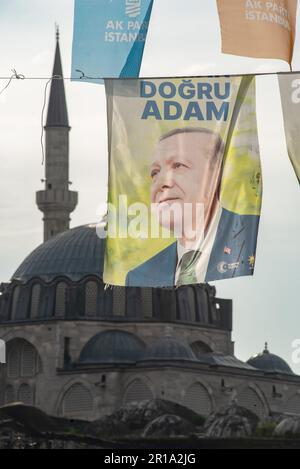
187	268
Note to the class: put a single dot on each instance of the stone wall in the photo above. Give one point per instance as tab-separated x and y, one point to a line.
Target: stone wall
108	384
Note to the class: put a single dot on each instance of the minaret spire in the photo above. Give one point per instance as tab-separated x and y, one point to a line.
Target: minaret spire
57	201
57	109
57	32
266	348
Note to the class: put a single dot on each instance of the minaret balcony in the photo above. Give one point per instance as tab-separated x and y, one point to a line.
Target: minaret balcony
56	200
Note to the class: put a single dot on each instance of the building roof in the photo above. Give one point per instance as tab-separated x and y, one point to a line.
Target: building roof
75	253
57	109
269	362
113	346
218	359
167	348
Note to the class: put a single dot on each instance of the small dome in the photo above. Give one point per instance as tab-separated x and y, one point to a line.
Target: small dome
168	348
112	347
74	253
269	362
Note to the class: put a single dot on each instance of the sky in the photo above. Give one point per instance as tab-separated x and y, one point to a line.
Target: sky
183	39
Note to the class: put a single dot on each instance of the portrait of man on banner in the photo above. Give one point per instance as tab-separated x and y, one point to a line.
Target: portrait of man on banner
186	175
201	180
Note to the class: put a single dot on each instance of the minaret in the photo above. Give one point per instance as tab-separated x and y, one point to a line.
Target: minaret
57	201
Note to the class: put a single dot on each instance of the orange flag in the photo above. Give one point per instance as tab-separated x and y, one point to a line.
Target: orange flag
258	28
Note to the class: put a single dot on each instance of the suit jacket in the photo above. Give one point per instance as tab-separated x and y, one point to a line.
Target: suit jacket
232	255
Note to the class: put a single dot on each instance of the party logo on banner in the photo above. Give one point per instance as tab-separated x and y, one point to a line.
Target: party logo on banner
109	38
133	8
258	28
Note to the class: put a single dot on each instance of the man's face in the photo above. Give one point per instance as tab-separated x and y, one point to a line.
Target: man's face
185	170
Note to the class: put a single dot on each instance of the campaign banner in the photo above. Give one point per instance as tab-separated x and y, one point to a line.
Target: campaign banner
184	181
289	85
109	38
258	28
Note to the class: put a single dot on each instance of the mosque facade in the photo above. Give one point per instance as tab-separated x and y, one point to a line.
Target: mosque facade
79	349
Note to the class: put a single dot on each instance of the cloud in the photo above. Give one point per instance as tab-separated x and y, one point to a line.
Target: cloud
198	68
41	58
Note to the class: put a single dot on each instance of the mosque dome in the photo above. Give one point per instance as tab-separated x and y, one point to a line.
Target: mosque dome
269	362
73	253
167	348
113	346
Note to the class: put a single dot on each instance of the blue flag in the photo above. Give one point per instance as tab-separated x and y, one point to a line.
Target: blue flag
109	38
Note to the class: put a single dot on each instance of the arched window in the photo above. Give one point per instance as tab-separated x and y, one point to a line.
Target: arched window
200	348
77	399
202	305
60	300
16	294
192	303
29	361
35	301
119	301
22	360
147	306
186	303
25	394
249	399
9	395
91	295
14	362
198	399
137	391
